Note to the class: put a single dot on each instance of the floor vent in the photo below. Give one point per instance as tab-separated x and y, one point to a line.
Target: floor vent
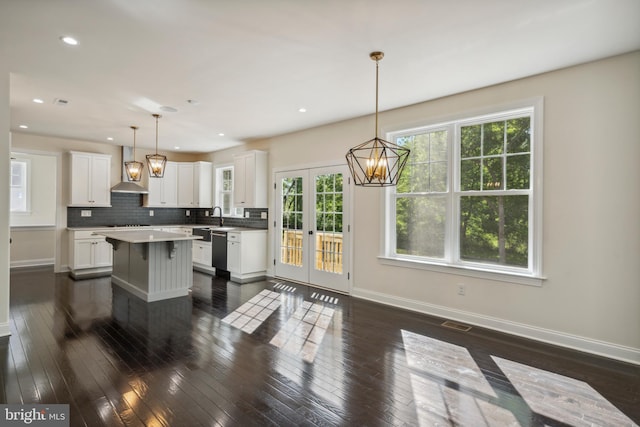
456	326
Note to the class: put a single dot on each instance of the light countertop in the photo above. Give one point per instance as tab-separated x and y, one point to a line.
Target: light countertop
106	228
137	227
145	236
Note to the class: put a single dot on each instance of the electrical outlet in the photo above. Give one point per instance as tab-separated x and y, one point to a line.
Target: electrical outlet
85	213
188	212
206	213
246	214
150	213
462	289
263	215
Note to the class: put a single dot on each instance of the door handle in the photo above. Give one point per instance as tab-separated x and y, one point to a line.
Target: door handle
310	232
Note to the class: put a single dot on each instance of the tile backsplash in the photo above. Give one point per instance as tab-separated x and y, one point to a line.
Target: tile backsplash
127	209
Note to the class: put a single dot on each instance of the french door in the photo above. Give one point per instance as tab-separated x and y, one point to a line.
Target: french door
312	227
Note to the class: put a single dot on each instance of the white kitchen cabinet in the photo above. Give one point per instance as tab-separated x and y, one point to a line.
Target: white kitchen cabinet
250	179
203	184
247	255
234	253
185	185
202	253
89	254
90	179
163	192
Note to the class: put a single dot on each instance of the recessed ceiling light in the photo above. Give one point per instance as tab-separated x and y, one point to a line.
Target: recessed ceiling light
302	110
61	102
69	40
176	148
38	101
221	134
23	127
193	101
109	138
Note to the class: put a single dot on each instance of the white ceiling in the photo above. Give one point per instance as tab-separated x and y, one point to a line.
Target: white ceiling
251	64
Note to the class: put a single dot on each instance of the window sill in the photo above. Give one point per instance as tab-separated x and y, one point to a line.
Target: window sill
509	277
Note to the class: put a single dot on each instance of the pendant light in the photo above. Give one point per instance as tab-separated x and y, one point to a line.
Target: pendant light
377	163
133	168
156	162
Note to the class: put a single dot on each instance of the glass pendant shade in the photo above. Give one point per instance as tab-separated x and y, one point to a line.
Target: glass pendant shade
156	162
134	170
377	163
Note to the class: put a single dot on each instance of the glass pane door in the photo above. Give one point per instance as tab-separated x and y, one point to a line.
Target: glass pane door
291	226
312	228
330	232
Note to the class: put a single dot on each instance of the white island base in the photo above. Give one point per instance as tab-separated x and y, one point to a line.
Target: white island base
153	267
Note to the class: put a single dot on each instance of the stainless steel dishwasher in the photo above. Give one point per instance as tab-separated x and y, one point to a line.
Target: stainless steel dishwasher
219	252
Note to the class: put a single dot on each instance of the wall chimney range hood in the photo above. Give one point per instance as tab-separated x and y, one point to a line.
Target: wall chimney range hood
126	186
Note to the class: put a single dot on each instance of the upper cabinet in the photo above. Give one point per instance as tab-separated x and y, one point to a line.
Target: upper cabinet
163	192
184	185
90	179
203	184
250	180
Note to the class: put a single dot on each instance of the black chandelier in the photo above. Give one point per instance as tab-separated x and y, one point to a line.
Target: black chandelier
377	163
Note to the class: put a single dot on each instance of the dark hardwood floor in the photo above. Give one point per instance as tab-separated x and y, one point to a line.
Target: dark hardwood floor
277	353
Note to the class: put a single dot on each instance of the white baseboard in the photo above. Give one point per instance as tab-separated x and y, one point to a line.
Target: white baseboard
31	263
63	269
5	330
601	348
204	268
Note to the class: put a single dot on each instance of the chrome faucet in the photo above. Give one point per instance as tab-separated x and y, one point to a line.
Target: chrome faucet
213	213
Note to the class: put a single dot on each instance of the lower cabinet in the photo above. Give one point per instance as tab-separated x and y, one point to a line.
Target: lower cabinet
247	255
202	253
89	255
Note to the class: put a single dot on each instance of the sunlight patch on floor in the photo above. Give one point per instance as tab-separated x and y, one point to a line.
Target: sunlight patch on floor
324	298
250	315
562	398
304	331
449	388
284	287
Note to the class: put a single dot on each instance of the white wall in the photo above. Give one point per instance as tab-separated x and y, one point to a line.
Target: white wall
591	298
33	246
5	155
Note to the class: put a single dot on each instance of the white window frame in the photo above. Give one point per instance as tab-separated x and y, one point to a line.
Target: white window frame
219	170
26	186
451	263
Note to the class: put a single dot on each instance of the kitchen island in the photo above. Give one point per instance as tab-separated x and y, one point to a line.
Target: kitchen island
151	264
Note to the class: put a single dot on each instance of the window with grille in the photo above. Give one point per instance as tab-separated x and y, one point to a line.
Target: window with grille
467	197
